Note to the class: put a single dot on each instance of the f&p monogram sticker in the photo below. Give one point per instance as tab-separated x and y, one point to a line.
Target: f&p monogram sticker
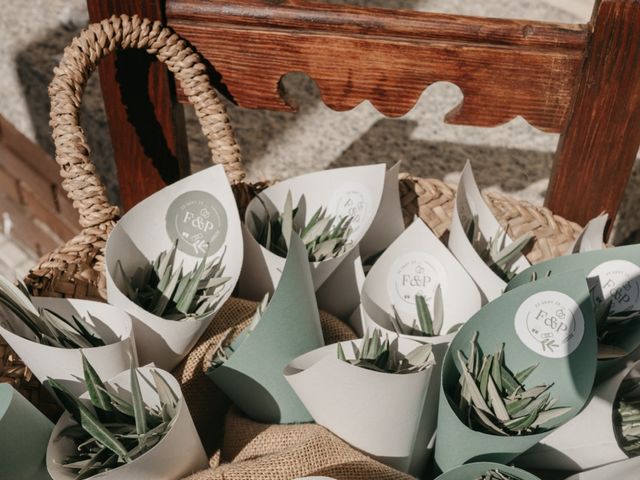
620	282
198	221
550	323
415	273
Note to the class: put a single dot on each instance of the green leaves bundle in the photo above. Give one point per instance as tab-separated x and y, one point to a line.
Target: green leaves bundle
627	418
426	324
498	257
224	350
380	355
493	399
171	293
496	475
45	326
115	431
323	236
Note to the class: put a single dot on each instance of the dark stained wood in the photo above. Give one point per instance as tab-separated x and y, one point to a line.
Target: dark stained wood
146	126
601	138
505	68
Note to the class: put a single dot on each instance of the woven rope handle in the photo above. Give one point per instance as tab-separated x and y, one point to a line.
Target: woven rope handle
70	78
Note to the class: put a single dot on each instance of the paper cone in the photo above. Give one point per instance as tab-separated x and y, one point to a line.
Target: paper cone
378	413
65	364
200	209
177	455
623	470
24	433
586	441
619	272
469	202
417	263
565	358
471	471
591	237
388	223
356	191
289	326
340	294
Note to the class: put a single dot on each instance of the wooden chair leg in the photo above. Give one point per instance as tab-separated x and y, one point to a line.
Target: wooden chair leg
599	144
145	121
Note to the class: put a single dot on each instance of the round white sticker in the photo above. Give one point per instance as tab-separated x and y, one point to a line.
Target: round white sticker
352	200
620	282
414	273
550	323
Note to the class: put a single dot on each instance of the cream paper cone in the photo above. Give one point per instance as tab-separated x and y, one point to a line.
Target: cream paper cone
624	470
200	213
586	441
378	413
469	202
65	364
591	237
353	191
177	455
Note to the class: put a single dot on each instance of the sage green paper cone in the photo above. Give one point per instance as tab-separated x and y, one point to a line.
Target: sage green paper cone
472	471
566	358
290	326
24	434
619	272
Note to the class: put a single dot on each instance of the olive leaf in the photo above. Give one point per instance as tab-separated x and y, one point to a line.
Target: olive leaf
168	291
113	431
498	256
627	416
426	324
324	236
43	325
493	399
496	474
380	355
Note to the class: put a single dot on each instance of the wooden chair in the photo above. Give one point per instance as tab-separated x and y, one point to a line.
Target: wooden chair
582	81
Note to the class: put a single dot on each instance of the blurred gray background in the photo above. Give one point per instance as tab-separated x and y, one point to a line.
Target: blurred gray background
514	158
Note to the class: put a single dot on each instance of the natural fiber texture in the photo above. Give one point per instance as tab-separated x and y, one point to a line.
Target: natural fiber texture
70	270
283	452
433	200
206	403
254	450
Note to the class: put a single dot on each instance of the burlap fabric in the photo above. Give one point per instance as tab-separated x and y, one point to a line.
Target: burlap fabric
242	449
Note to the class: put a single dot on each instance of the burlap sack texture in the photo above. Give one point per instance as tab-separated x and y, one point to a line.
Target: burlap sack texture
241	449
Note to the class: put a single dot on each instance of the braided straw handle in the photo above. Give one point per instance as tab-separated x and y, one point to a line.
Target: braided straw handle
70	78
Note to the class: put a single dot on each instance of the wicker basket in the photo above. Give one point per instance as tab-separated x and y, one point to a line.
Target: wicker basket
76	268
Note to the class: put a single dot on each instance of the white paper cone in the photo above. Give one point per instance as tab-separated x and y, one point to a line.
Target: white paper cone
340	294
377	413
388	223
591	237
586	441
65	364
354	191
469	199
417	263
177	455
624	470
201	209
